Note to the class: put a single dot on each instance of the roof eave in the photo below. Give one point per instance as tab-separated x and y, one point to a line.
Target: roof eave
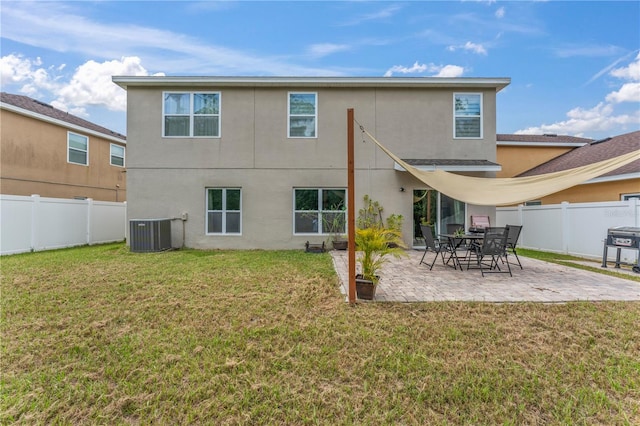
614	178
404	82
453	168
542	144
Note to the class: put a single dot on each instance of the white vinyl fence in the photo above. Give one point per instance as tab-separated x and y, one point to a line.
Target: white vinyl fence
37	223
578	229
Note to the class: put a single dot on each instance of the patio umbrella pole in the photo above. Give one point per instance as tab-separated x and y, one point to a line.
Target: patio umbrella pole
351	207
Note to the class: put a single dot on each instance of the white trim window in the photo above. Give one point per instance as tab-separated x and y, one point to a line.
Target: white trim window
77	149
319	211
191	115
302	112
467	115
627	197
116	155
224	211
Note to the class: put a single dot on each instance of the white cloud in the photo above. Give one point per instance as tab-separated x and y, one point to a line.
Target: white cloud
584	121
630	72
385	13
27	73
450	71
323	49
589	51
436	70
469	46
603	117
500	13
629	92
90	84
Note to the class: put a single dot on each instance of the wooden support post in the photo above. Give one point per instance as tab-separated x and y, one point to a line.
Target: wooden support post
351	205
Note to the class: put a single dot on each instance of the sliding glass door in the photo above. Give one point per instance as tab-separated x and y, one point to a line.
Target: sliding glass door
437	210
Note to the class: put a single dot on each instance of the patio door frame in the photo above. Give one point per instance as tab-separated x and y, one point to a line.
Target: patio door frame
438	215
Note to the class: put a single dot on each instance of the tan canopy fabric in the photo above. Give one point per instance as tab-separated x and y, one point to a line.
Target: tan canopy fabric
505	191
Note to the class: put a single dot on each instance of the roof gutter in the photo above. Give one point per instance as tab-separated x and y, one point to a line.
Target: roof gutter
626	176
542	144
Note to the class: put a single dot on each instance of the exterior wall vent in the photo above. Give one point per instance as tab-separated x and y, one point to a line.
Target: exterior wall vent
150	235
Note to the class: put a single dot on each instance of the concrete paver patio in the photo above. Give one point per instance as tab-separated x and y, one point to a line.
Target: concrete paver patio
405	280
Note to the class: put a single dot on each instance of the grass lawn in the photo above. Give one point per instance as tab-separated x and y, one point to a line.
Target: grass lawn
99	335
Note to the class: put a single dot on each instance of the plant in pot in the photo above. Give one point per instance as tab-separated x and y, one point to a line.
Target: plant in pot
335	225
373	246
394	222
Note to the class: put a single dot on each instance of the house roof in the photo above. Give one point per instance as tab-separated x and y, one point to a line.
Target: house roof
547	139
451	165
28	106
593	152
405	82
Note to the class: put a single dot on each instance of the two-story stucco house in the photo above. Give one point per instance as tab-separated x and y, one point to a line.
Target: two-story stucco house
52	153
261	162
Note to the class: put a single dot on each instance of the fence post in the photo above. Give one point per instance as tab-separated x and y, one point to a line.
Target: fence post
35	205
126	223
89	217
565	226
521	222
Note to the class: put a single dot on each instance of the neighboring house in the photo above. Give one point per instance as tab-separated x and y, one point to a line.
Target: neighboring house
620	184
261	162
519	153
52	153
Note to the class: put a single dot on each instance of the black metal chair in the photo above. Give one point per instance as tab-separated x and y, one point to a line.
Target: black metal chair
433	245
494	248
512	240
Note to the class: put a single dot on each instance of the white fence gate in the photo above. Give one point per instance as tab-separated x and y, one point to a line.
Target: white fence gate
37	223
578	229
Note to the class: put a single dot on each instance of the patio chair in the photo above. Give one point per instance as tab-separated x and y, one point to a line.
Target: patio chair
433	245
494	248
512	240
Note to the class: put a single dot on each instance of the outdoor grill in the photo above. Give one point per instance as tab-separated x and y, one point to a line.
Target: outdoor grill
624	237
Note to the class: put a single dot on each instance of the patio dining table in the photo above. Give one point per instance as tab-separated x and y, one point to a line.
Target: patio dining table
455	242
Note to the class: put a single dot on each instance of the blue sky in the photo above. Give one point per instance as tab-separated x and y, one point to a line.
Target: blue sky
574	66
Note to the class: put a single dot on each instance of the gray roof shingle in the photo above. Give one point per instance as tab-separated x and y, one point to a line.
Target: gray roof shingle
546	138
32	105
592	153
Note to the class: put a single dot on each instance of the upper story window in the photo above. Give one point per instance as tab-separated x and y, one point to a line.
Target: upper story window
117	155
77	149
303	115
467	113
191	114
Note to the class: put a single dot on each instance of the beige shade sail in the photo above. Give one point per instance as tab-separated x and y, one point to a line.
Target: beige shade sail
506	191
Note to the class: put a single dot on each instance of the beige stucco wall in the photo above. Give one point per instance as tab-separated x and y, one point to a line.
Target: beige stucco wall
168	177
594	192
34	161
518	159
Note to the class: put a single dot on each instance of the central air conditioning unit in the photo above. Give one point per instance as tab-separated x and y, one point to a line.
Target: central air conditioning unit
150	235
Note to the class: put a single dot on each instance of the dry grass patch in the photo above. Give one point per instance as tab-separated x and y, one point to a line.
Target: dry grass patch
98	335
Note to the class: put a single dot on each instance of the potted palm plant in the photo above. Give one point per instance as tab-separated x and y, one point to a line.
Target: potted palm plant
373	246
